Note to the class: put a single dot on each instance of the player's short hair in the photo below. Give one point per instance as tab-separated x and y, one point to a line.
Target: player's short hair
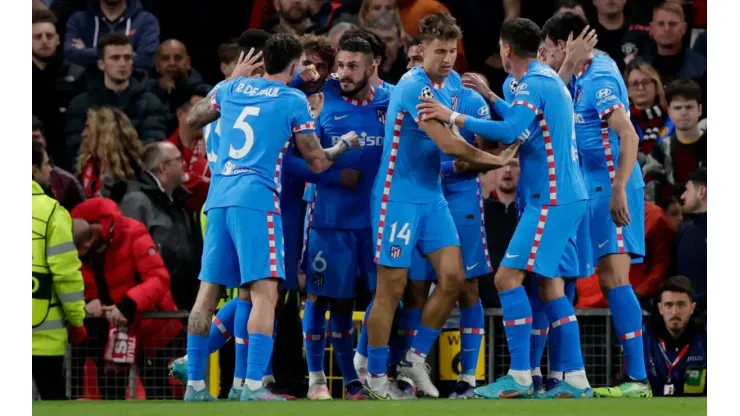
568	4
43	16
386	21
375	41
523	35
677	284
280	50
228	52
357	44
440	26
672	7
560	26
321	46
37	155
683	88
112	39
699	178
415	42
252	38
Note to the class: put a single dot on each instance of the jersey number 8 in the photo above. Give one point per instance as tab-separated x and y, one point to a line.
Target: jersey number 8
242	125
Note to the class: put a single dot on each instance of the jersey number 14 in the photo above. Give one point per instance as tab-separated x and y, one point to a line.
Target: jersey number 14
403	234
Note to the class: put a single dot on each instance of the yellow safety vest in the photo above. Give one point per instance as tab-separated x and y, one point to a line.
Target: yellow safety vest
58	288
229	294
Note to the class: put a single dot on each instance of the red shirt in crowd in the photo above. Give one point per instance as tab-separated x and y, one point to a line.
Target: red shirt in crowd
195	166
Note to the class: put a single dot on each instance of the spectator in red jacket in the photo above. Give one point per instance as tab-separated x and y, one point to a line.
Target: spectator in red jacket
189	142
125	277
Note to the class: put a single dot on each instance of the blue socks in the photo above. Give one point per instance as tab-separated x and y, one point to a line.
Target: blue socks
341	340
518	326
565	345
627	318
314	330
472	328
260	350
197	350
222	327
409	321
377	361
540	326
241	337
268	370
422	343
362	342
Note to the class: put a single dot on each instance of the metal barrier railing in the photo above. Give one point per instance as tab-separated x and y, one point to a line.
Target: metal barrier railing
88	375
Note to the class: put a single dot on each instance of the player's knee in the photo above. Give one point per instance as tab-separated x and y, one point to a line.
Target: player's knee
244	294
468	294
614	271
550	289
507	279
451	282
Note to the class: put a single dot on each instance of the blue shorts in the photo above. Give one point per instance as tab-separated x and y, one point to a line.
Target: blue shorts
403	228
599	236
335	257
474	253
242	245
545	240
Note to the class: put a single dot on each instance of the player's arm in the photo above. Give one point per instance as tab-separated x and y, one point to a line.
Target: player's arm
460	166
204	111
620	122
318	158
577	52
456	146
476	83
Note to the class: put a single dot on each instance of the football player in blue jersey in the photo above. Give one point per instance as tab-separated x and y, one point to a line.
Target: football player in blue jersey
544	242
244	195
378	47
340	237
614	231
410	212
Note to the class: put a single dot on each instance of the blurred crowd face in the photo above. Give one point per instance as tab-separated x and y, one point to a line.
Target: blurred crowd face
42	174
676	309
393	42
554	53
610	6
675	213
38	136
173	59
378	7
171	171
45	41
322	67
415	56
117	62
508	178
354	70
694	198
642	89
684	113
577	10
182	124
667	28
439	57
292	11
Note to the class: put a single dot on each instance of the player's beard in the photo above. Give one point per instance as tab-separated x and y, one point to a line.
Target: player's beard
359	85
312	87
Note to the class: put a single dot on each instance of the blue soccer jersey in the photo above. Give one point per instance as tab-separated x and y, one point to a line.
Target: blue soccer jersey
336	206
257	123
212	134
599	90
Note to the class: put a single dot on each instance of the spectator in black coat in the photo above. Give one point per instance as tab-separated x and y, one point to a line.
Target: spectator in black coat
116	89
55	81
174	76
157	199
692	237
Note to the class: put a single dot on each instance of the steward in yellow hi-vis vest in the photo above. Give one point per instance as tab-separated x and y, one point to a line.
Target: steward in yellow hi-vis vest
58	292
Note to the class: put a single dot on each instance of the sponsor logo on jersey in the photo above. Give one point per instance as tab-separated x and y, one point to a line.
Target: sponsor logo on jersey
578	118
395	251
603	93
484	111
381	112
521	89
365	140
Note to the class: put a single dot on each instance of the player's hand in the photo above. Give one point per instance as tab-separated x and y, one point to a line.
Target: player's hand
477	83
349	178
353	139
577	50
618	207
248	64
309	73
77	334
94	308
78	44
460	165
114	316
316	102
508	154
431	109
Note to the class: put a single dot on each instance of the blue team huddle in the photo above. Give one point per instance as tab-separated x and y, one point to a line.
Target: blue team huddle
415	219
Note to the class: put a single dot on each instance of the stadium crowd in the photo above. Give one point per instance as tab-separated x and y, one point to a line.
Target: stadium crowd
115	84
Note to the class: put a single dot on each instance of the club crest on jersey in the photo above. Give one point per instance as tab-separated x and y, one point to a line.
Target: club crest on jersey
395	251
427	92
333	75
579	95
454	100
381	115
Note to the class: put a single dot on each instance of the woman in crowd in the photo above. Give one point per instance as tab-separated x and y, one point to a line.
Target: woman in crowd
110	154
648	107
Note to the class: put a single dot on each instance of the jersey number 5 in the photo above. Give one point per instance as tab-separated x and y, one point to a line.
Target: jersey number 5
242	125
403	234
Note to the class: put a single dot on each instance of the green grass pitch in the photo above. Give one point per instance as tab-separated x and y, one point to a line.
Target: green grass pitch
428	407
